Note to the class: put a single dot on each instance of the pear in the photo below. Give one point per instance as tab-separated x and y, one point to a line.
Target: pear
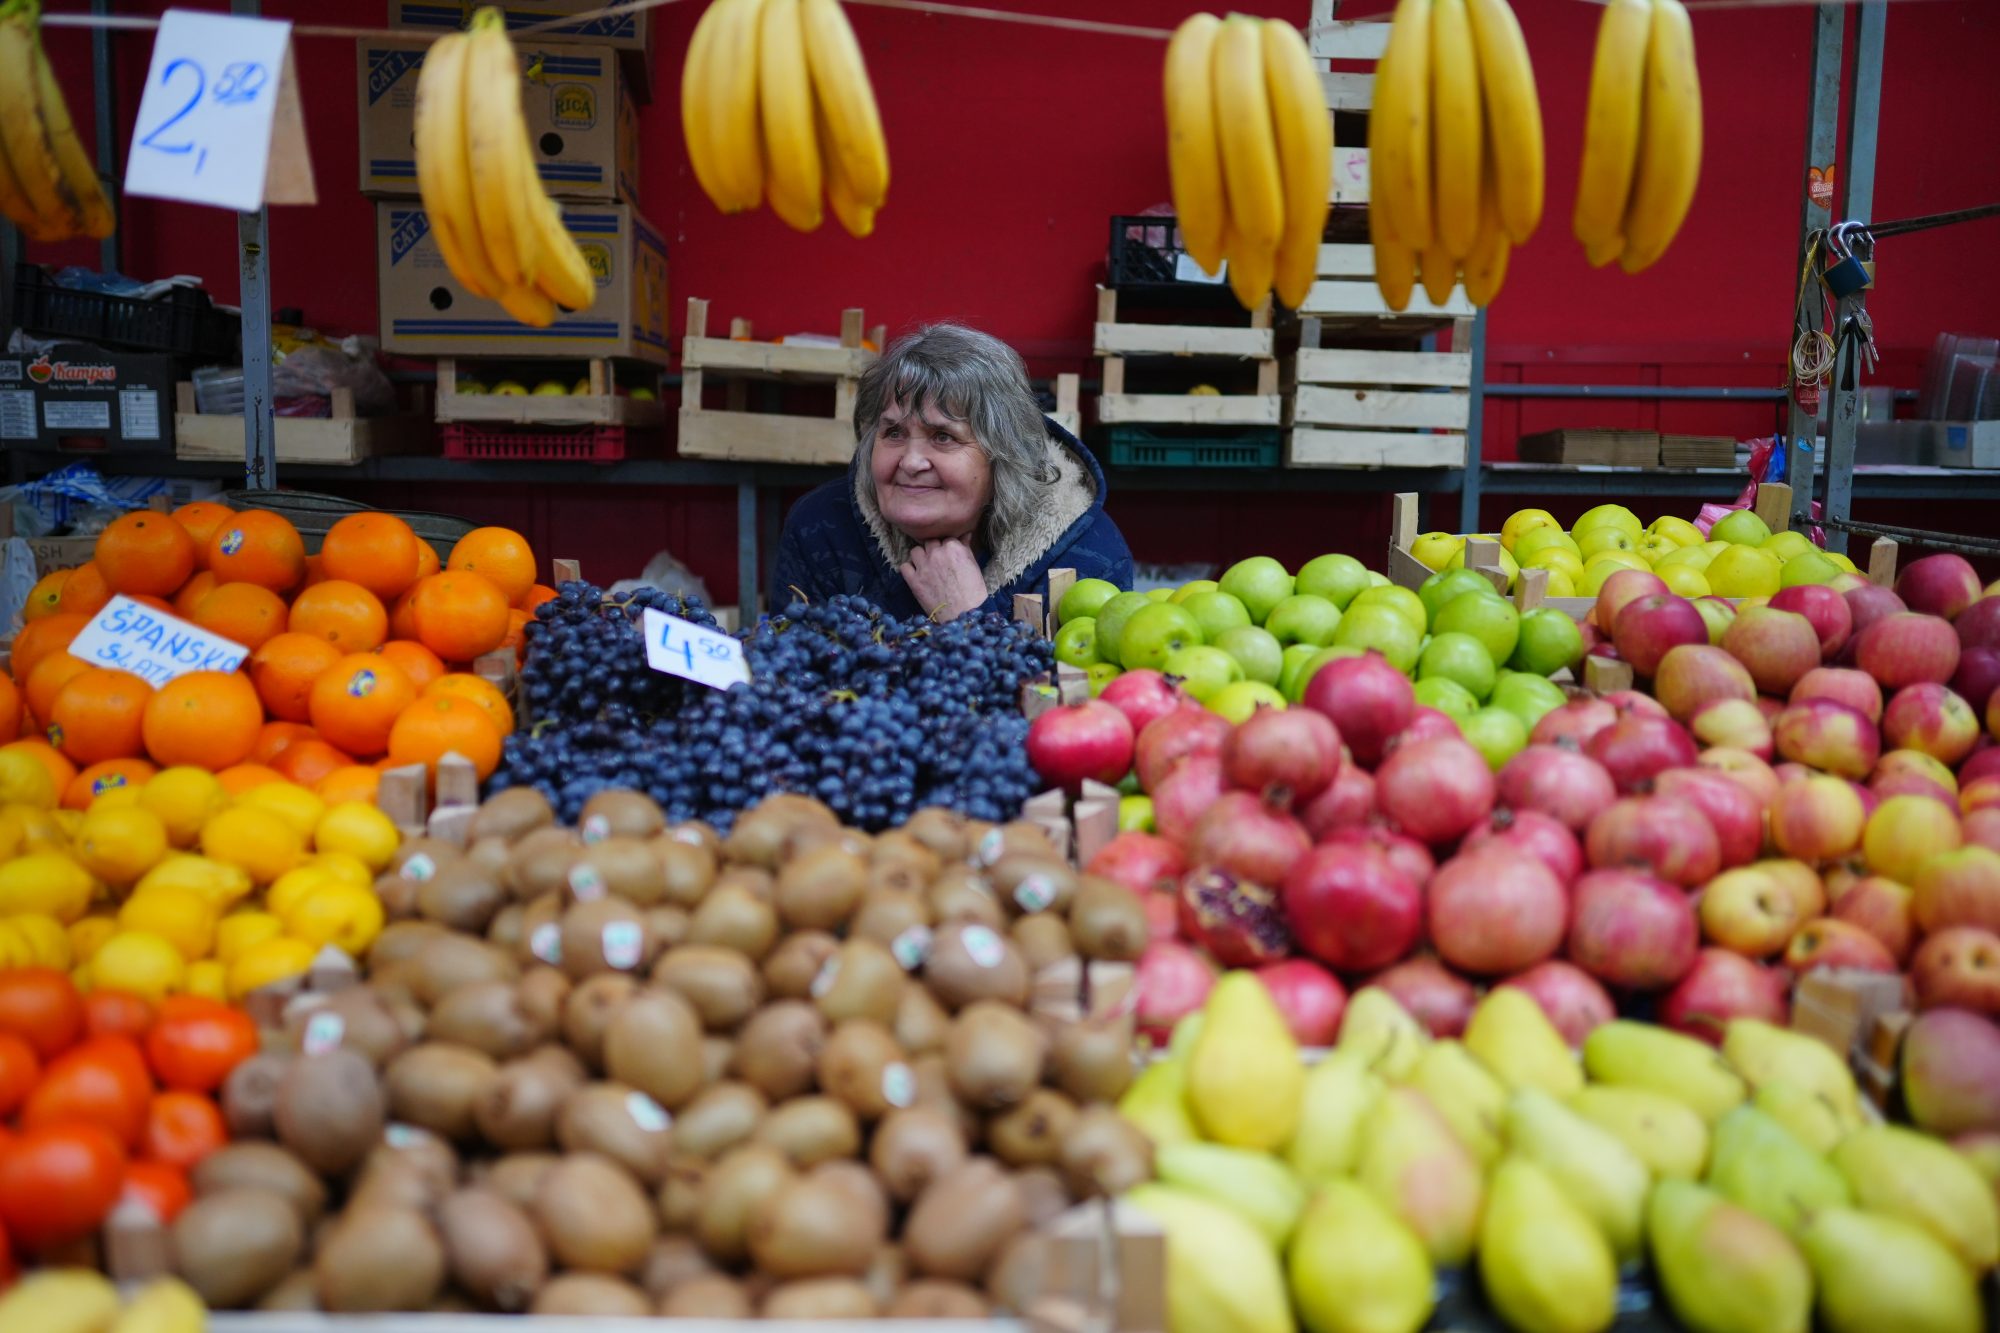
1724	1269
1982	1150
1545	1267
1513	1037
1413	1163
1382	1032
1181	1040
1764	1053
1267	1193
1470	1099
1157	1103
1626	1054
1598	1173
1244	1075
1664	1134
1915	1177
1220	1272
1757	1164
1338	1092
1877	1274
1807	1116
1356	1269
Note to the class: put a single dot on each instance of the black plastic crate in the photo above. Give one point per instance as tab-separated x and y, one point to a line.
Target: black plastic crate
181	322
1145	257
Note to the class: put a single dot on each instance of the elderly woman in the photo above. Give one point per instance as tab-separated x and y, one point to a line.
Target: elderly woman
961	493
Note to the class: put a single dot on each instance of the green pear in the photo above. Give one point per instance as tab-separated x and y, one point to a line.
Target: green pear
1545	1267
1664	1134
1383	1032
1470	1099
1414	1164
1338	1092
1915	1177
1808	1117
1356	1269
1724	1269
1513	1037
1765	1053
1757	1164
1598	1173
1881	1274
1244	1075
1267	1193
1626	1054
1180	1042
1157	1103
1221	1273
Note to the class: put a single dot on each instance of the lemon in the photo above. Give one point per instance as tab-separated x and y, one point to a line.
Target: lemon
264	844
1609	537
1615	516
208	979
1536	540
289	802
222	885
1676	530
119	845
339	914
24	781
32	829
183	918
1694	557
290	889
1807	567
124	796
46	882
361	831
184	798
70	822
240	932
343	867
1744	571
1740	527
140	963
1523	521
46	938
87	936
272	961
16	949
1684	579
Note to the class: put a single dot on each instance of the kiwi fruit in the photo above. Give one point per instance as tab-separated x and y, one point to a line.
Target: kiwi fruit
758	836
1032	1133
862	1065
718	1054
929	1298
379	1258
695	832
542	992
734	1191
250	1096
419	859
366	1024
232	1245
861	980
398	896
921	1022
509	814
861	1186
1091	1060
669	926
605	935
399	942
1045	1194
1028	883
628	868
588	1010
1016	837
329	1109
450	961
264	1167
296	1293
812	836
757	881
885	914
959	1222
898	860
590	1295
821	889
491	1248
672	1261
620	1123
814	1227
1019	1275
619	813
462	896
489	1017
517	1177
687	869
680	1192
593	1215
712	1296
934	1090
777	1052
724	1115
723	986
732	917
436	1087
539	863
972	962
810	1130
993	1056
416	1154
960	893
1105	1153
653	1043
518	1109
1107	920
1043	939
913	1147
940	829
820	1298
792	967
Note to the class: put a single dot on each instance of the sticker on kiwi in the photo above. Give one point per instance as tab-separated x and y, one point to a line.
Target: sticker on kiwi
401	1136
990	847
420	868
979	884
323	1033
623	943
899	1085
911	947
596	828
688	834
586	882
828	972
646	1113
545	943
1035	892
982	946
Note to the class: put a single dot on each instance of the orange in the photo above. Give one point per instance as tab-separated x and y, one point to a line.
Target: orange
517	638
355	703
206	718
315	571
283	669
481	691
245	613
47	635
201	518
356	782
148	599
419	663
61	769
501	554
45	595
239	778
460	615
260	547
374	549
307	761
99	778
10	708
345	614
427	560
274	738
144	551
198	586
97	715
534	597
441	724
45	682
84	592
403	614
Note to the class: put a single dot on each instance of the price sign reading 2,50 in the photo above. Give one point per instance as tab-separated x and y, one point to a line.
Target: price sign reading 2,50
237	85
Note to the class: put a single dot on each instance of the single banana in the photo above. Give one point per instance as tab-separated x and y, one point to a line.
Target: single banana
444	177
1400	168
14	203
1305	156
1605	250
164	1305
1249	157
60	1300
1611	124
1395	264
1670	151
785	99
1193	157
78	172
25	134
729	104
846	97
695	129
1438	268
1485	267
529	305
504	181
1457	127
1513	114
565	277
856	217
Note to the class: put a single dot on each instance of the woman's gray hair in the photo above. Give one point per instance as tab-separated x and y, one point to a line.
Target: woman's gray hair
974	378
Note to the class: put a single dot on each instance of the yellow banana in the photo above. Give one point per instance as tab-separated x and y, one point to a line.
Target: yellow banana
1395	264
1305	156
1400	168
1485	267
164	1305
1193	157
785	99
444	178
695	129
24	132
14	203
1513	115
1670	147
1439	271
729	103
856	217
60	1300
844	95
504	181
1606	250
1249	157
78	172
529	305
1457	126
565	276
1611	125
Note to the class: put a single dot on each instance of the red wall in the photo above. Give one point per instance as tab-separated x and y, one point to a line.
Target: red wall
1010	147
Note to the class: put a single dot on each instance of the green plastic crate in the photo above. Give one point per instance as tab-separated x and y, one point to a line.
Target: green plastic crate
1134	446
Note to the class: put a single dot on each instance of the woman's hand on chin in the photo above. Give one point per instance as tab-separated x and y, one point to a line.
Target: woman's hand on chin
945	578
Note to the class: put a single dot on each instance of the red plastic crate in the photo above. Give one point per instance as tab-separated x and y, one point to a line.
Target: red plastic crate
554	444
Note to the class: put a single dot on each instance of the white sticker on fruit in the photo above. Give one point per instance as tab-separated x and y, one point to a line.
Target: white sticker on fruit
623	943
824	981
646	1113
323	1033
911	947
586	883
982	946
688	834
152	645
1035	892
978	884
420	868
402	1136
990	848
545	943
596	828
899	1085
694	652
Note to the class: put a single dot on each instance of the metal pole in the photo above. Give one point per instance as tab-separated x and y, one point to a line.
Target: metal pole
1857	172
746	552
106	101
1475	407
1822	140
253	247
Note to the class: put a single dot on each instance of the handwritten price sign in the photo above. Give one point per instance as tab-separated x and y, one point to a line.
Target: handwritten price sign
152	645
693	652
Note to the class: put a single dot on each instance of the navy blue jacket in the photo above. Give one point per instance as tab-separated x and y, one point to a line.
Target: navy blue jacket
830	547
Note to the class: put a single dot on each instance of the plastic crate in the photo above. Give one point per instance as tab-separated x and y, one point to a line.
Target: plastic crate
551	444
1145	257
181	322
1133	446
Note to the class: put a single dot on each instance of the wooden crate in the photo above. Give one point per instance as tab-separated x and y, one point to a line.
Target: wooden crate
1354	408
1344	299
1068	414
1604	448
1194	345
601	406
338	440
734	432
1332	40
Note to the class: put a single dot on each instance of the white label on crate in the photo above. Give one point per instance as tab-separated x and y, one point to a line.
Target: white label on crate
17	414
1186	270
694	652
157	647
139	414
57	415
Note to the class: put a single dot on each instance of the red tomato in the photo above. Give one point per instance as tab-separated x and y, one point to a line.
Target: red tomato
162	1188
19	1068
58	1182
116	1013
182	1128
103	1082
195	1042
41	1005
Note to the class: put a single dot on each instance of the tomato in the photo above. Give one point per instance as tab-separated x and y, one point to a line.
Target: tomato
116	1013
41	1005
19	1068
196	1042
162	1188
182	1128
58	1182
103	1082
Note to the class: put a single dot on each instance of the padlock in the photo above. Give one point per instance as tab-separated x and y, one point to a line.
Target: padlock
1840	272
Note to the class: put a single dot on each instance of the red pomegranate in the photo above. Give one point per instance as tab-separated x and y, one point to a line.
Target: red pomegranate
1250	839
1286	755
1351	909
1436	789
1541	836
1663	835
1559	781
1187	731
1366	698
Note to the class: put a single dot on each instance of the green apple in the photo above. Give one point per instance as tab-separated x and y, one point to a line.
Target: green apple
1153	633
1548	642
1160	594
1304	618
1740	527
1807	567
1383	628
1112	618
1099	675
1203	669
1297	688
1785	545
1491	620
1460	658
1238	701
1617	516
1256	650
1496	733
1292	665
1717	614
1338	578
1260	583
1447	696
1400	600
1377	580
1527	696
1084	598
1076	642
1215	611
1444	585
1192	589
1135	814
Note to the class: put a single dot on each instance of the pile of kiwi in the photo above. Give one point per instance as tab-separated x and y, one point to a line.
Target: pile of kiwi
633	1069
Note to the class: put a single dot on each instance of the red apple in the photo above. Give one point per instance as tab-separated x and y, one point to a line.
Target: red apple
1693	676
1883	908
1573	999
1665	836
1637	748
1828	611
1912	773
1982	829
1907	649
1495	911
1749	771
1636	701
1817	818
1843	685
1828	736
1624	586
1750	911
1433	994
1143	696
1951	1072
1351	908
1978	793
1929	717
1869	603
1959	888
1649	626
1806	885
1736	816
1087	740
1830	942
1939	585
1959	968
1733	723
1777	646
1310	998
1978	676
1631	930
1722	986
1978	625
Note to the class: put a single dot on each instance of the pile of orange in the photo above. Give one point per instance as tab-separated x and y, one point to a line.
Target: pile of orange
360	656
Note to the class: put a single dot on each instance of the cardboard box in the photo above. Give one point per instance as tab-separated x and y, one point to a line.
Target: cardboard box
581	119
1967	443
81	396
631	34
426	313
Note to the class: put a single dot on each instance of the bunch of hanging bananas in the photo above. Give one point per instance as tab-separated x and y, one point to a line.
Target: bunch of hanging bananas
500	234
48	187
1250	147
1642	134
776	103
1454	150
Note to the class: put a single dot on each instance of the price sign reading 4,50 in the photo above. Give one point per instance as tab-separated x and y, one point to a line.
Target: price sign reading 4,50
693	652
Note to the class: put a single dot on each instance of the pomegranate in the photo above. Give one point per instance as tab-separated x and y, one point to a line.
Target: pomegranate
1346	802
1188	730
1637	748
1366	699
1541	836
1435	995
1720	986
1310	998
1436	789
1143	696
1631	930
1173	980
1078	741
1578	720
1141	862
1496	910
1351	909
1570	996
1189	790
1663	835
1558	781
1163	913
1404	852
1736	816
1427	724
1286	755
1250	839
1239	922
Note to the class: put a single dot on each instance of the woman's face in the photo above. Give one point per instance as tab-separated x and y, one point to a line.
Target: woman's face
931	477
